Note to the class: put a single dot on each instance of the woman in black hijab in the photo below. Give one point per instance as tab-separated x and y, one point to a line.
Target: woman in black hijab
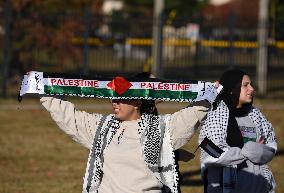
245	137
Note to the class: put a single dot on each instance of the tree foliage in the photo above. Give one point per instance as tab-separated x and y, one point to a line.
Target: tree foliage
42	31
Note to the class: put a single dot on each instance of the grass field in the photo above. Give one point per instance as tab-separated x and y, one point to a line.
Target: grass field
36	157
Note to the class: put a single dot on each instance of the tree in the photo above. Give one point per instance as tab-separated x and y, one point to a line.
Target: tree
42	32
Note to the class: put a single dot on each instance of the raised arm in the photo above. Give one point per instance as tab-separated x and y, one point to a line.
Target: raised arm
81	126
185	122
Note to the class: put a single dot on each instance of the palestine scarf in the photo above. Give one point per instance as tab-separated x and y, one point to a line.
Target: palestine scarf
117	87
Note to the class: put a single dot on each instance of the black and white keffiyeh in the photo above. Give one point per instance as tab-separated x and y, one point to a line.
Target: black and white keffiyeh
215	126
215	129
157	150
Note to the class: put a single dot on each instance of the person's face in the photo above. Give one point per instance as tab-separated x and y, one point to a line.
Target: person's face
247	91
126	110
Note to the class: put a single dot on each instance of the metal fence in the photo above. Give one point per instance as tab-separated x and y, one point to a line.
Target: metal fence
190	51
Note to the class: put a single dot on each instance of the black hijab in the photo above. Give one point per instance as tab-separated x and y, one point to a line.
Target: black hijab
231	81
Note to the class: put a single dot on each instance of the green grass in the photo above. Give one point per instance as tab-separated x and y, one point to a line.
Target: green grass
37	157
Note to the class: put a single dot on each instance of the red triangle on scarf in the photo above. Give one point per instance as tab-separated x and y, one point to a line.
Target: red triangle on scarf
119	85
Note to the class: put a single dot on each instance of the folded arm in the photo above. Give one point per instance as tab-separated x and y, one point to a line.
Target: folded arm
230	157
258	153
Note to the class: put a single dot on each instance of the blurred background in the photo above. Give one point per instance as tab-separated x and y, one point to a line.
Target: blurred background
181	39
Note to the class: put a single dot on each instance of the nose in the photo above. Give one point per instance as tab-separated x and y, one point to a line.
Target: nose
251	87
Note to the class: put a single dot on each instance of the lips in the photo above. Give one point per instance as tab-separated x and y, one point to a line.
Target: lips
250	95
115	110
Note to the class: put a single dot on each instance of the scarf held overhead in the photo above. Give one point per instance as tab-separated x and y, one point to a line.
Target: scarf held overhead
114	88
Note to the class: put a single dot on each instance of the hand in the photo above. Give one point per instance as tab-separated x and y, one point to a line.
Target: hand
218	86
212	91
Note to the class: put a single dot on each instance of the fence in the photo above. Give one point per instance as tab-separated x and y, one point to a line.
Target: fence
190	51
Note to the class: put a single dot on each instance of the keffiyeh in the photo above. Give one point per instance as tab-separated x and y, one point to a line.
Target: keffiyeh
157	150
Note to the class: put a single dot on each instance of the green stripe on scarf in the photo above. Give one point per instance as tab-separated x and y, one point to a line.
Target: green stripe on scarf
104	92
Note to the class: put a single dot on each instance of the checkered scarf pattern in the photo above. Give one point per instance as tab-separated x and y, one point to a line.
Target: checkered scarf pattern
215	128
156	146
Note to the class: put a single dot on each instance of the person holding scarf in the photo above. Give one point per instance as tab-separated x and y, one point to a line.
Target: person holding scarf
245	137
131	150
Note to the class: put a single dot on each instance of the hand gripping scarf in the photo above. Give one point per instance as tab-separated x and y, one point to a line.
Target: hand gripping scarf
115	88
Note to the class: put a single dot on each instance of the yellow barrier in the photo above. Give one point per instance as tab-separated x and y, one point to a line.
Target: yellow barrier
204	43
91	41
139	42
178	42
279	44
214	43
